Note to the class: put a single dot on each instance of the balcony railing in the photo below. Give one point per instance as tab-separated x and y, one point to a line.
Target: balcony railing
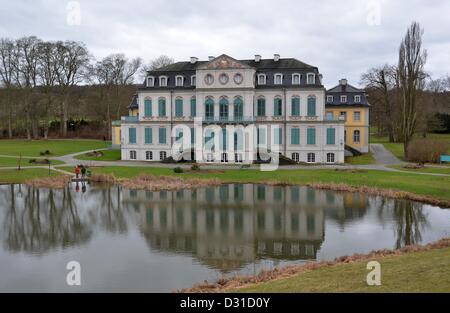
130	119
228	119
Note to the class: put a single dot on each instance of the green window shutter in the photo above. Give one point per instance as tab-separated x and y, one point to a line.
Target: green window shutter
295	106
192	135
147	107
311	106
132	135
311	136
238	140
278	110
162	107
148	135
261	136
178	107
193	107
295	136
278	134
223	136
331	135
261	107
162	135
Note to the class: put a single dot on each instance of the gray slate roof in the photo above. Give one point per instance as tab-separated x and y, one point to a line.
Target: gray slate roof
134	103
349	91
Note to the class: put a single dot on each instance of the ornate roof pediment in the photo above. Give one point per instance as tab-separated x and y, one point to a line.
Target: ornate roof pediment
223	62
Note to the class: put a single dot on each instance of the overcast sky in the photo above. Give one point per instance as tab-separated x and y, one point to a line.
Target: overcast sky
343	38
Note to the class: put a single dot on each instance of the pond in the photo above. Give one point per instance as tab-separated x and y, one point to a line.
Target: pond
135	240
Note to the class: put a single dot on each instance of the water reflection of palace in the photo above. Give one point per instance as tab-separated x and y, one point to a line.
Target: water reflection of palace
230	225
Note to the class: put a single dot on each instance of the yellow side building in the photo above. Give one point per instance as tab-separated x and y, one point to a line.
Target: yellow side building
133	112
350	103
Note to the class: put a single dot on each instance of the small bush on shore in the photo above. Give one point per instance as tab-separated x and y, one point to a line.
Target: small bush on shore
178	170
425	150
195	167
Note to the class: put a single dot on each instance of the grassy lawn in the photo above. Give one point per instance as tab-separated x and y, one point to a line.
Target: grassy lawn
56	147
397	147
426	271
435	186
363	159
108	155
8	162
435	170
15	176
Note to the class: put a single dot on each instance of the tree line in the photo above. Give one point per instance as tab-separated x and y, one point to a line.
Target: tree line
405	99
55	86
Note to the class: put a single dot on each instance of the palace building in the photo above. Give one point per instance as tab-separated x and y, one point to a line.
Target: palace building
207	108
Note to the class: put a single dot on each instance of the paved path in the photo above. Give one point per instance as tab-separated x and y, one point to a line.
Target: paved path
383	156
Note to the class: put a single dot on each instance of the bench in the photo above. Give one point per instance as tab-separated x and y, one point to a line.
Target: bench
444	158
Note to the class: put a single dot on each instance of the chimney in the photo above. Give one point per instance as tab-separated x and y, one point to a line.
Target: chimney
257	58
194	60
276	57
343	82
210	58
320	78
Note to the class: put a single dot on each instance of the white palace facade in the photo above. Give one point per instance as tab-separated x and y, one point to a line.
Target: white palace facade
225	110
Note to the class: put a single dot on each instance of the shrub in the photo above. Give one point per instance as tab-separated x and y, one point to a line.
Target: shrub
178	170
195	167
423	150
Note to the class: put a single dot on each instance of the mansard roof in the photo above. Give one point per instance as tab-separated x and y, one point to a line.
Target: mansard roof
345	89
134	103
281	64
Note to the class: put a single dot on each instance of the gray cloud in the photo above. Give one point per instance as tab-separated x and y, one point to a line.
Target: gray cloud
333	35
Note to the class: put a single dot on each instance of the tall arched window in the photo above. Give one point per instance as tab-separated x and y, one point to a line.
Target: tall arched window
295	110
311	106
277	106
261	106
209	109
223	108
356	136
238	108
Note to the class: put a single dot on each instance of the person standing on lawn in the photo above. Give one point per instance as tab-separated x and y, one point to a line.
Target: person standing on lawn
77	171
83	171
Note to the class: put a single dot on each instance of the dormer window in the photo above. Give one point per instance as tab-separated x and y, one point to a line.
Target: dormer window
261	79
311	79
162	81
343	99
150	81
193	80
357	99
278	79
179	81
330	99
296	79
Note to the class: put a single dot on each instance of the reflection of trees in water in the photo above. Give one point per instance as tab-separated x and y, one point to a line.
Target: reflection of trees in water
410	221
45	219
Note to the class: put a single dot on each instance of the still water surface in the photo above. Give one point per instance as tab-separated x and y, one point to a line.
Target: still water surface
133	240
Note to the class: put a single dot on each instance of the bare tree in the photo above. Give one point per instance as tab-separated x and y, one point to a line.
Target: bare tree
73	59
411	75
26	77
113	73
48	67
161	61
381	82
7	61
